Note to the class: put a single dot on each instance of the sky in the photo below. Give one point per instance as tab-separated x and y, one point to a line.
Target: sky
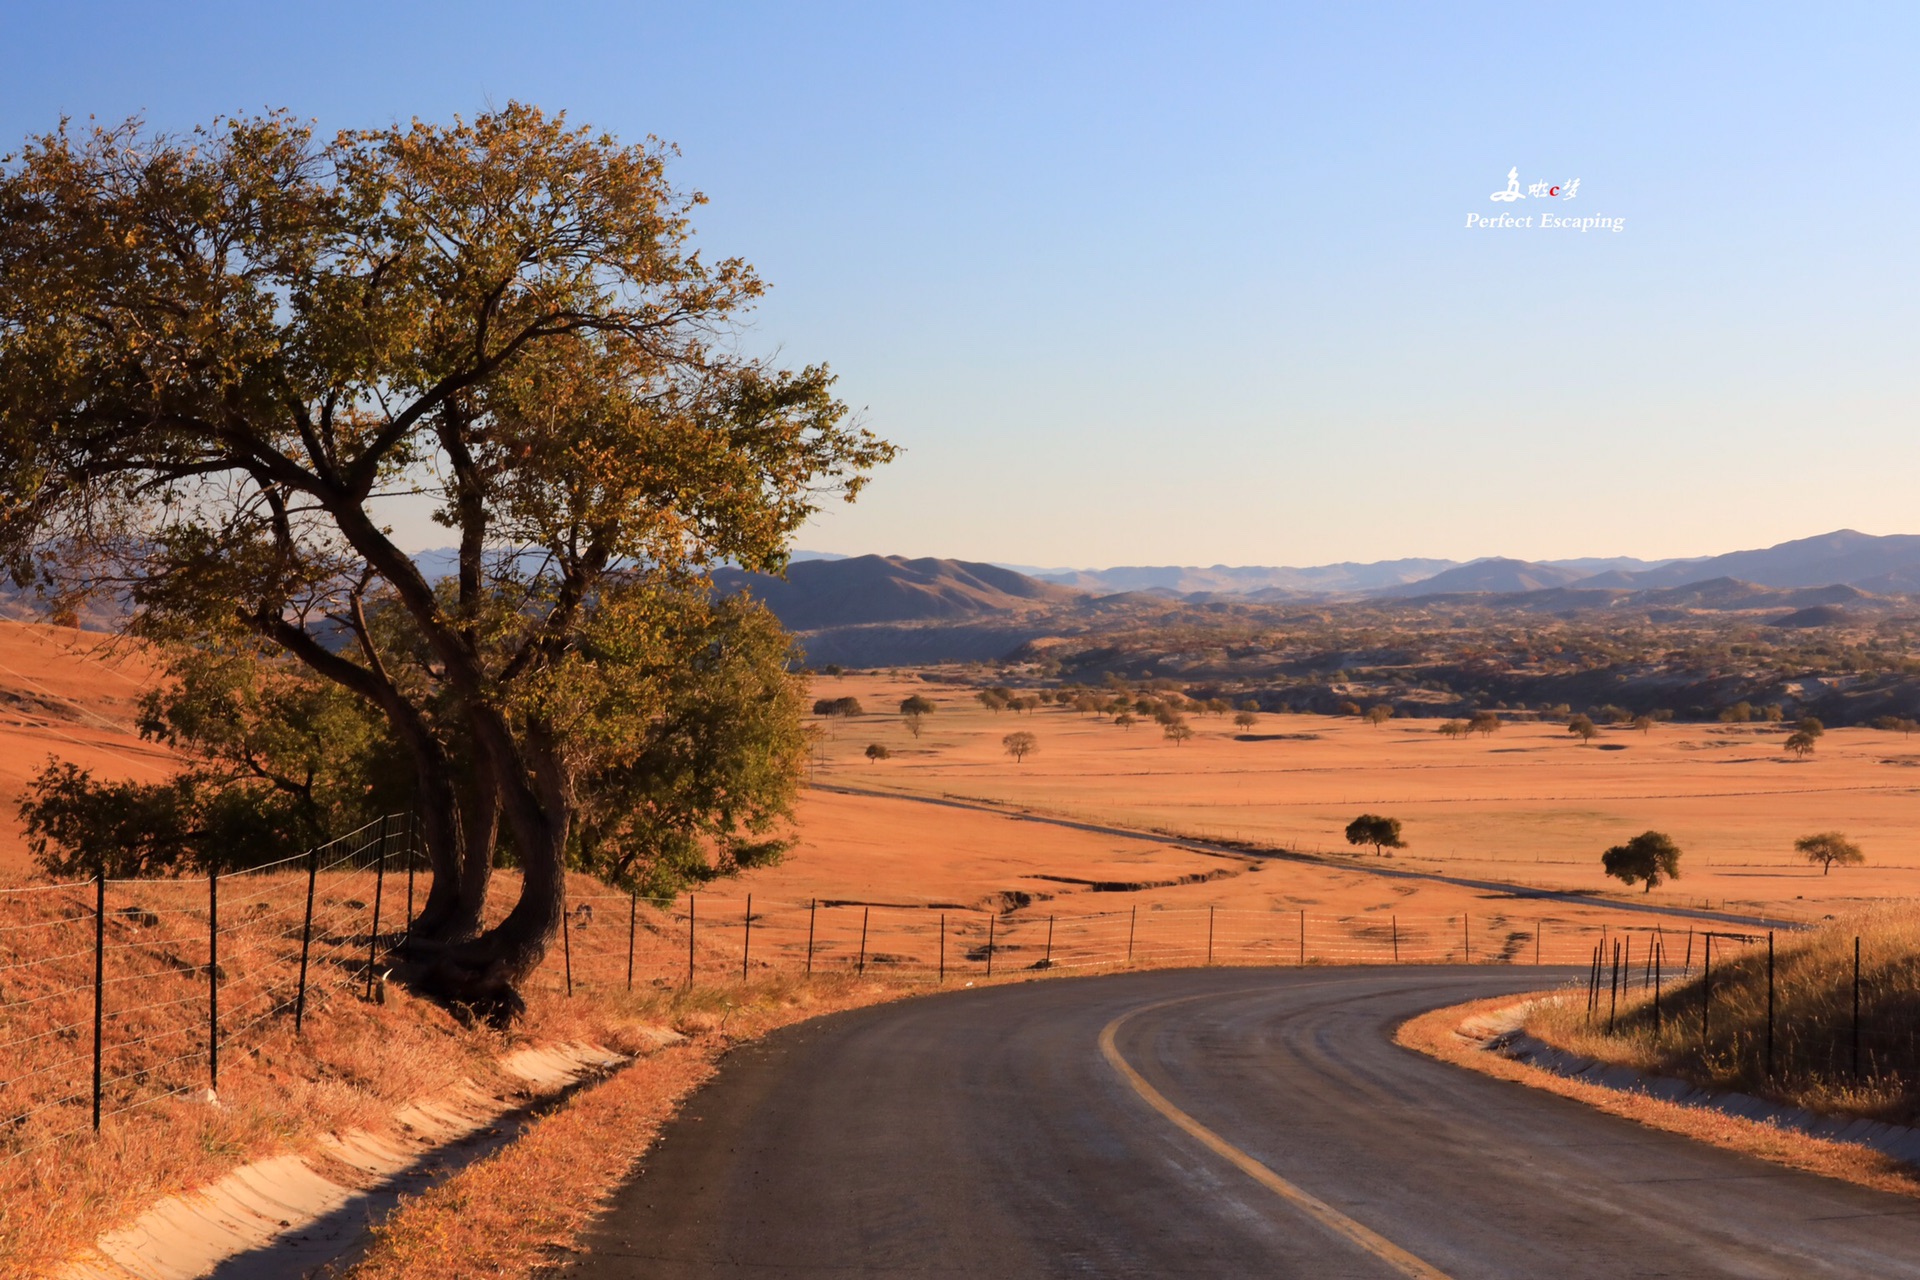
1196	284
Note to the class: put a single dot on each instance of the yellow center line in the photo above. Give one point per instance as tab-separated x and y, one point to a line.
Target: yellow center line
1314	1207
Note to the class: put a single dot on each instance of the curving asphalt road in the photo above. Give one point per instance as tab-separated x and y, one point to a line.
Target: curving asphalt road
1239	1122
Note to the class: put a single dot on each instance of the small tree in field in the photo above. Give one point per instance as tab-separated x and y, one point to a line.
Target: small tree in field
1643	723
1379	713
1380	832
877	752
1582	728
1484	723
1020	745
1800	743
914	710
1829	847
1647	859
1176	731
1452	729
1245	719
1124	720
1811	726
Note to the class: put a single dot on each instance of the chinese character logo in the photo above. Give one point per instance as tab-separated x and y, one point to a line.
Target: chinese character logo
1537	190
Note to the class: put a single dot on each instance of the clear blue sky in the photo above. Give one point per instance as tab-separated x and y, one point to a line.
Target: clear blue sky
1192	284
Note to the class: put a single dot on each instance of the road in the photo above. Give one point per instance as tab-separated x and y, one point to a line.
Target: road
1578	897
1236	1122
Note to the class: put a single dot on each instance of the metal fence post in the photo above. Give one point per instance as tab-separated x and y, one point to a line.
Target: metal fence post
813	914
306	939
990	919
409	842
1396	939
1209	935
379	886
100	987
1466	935
1133	921
1303	936
1049	959
1856	1006
1769	1003
566	936
746	938
633	926
690	924
1613	989
943	946
213	977
1706	991
1659	953
864	913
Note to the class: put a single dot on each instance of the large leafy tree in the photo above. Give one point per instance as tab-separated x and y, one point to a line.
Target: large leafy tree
225	358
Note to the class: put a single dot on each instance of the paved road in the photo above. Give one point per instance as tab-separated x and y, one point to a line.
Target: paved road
1271	1128
1508	888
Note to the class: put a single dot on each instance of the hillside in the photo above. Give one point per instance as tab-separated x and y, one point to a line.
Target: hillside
861	590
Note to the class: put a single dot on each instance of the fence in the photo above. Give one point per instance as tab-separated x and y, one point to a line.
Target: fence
1829	1019
179	970
702	938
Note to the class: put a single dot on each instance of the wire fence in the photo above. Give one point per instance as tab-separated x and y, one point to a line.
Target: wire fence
119	994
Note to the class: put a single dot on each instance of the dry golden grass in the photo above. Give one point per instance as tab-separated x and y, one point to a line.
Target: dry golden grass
1528	804
1436	1034
1813	1021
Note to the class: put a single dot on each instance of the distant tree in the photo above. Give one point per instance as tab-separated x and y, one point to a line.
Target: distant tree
1615	715
1583	728
1484	723
1020	745
1087	704
1165	715
1380	832
1660	715
823	706
1125	720
1897	724
991	700
847	708
1349	708
1647	859
1176	731
1800	743
1738	713
1250	704
1379	713
1773	713
877	752
1810	725
1453	729
832	669
914	710
1829	847
1245	719
1562	711
1643	723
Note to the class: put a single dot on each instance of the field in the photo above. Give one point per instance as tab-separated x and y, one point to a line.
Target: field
1528	804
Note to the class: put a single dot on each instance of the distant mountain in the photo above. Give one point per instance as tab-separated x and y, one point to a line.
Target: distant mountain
1496	575
862	590
1843	556
1327	579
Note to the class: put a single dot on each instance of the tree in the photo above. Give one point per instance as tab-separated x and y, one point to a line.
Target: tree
1379	713
1124	720
1177	731
1643	723
877	752
1484	723
1896	724
1800	743
221	354
1647	859
1811	726
1020	745
1245	719
991	700
915	709
1582	727
1738	713
1452	729
1829	847
1382	833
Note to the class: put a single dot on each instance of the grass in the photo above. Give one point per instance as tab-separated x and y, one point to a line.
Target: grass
1813	1026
